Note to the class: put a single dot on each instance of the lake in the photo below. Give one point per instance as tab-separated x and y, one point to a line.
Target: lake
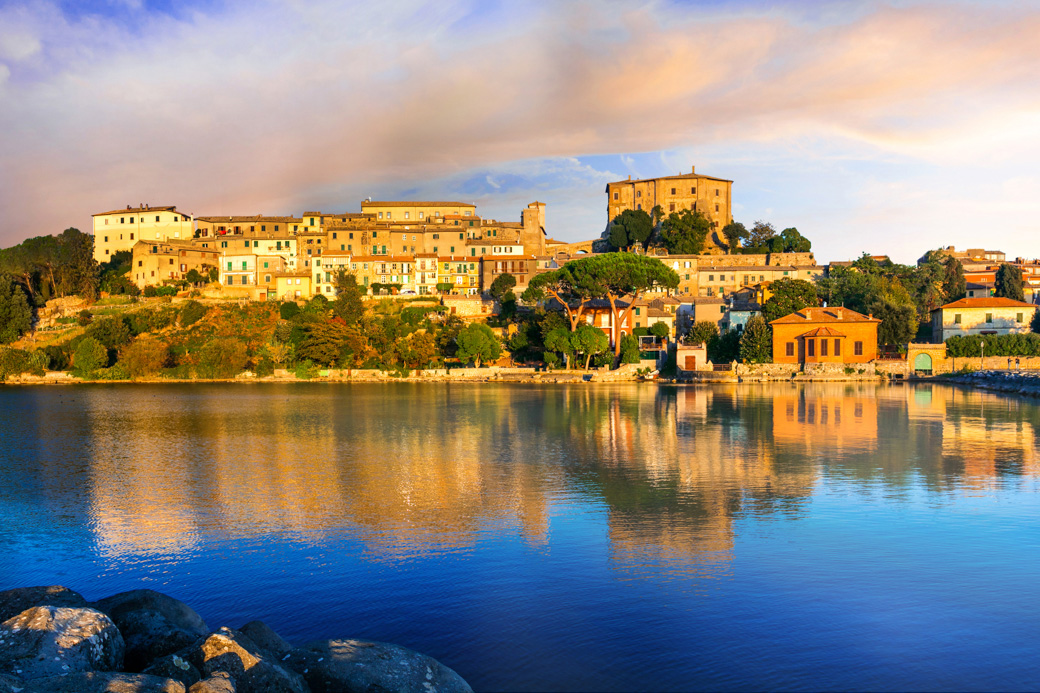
773	536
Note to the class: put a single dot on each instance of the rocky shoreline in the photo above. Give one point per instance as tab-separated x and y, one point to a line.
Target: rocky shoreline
1012	382
52	640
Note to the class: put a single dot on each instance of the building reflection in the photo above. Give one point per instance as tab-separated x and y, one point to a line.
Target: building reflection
672	470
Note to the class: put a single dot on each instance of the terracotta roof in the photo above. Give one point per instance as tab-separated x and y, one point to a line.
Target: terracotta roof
406	203
990	302
823	332
658	313
818	314
146	208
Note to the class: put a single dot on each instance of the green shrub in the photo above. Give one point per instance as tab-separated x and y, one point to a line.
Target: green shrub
288	310
191	312
112	332
84	318
90	355
264	367
13	362
307	369
116	372
604	358
224	357
660	329
57	358
145	357
629	349
551	358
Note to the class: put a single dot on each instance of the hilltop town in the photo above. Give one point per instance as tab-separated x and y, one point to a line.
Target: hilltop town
690	291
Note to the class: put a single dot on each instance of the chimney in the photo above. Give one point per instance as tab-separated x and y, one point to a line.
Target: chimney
129	207
693	169
630	176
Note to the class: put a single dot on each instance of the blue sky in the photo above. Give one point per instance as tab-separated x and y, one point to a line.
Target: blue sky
880	127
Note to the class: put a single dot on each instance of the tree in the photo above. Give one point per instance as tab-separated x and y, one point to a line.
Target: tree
15	314
476	342
759	238
421	350
790	241
323	342
112	332
629	349
616	275
223	357
630	227
572	283
788	296
756	343
660	329
734	233
502	285
214	274
559	340
702	332
724	347
1009	282
954	285
684	233
589	340
1034	324
891	303
89	356
193	277
348	305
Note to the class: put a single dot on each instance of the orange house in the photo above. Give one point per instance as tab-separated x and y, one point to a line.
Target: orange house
825	335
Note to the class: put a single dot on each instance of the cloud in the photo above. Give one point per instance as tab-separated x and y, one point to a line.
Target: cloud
276	106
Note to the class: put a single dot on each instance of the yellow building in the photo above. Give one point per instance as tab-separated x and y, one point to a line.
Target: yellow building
462	272
416	212
979	316
254	225
325	270
156	262
289	286
120	229
709	195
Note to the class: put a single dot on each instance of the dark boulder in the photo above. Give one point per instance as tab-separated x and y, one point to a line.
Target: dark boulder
174	667
359	666
104	682
14	602
149	635
173	610
54	640
265	638
9	684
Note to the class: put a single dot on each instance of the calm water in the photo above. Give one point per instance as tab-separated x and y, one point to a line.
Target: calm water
563	538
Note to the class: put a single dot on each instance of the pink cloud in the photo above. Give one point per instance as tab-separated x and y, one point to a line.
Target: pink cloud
254	110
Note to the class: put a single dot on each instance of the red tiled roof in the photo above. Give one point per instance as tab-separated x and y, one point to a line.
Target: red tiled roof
989	302
823	332
818	314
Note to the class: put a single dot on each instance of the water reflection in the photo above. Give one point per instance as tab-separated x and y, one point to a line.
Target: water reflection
414	470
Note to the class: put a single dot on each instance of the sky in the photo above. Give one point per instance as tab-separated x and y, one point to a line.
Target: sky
888	128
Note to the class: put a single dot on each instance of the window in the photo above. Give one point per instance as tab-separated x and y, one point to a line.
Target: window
810	346
671	207
453	250
267	278
243	264
989	317
857	348
637	311
693	191
157	217
711	277
957	318
1018	317
380	215
407	215
716	192
639	193
837	347
265	265
716	208
421	215
229	266
122	220
131	220
256	244
312	224
673	191
106	239
823	347
790	348
334	235
615	196
263	227
388	215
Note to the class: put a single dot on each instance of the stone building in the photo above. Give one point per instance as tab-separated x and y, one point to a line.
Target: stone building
980	316
707	194
156	262
121	229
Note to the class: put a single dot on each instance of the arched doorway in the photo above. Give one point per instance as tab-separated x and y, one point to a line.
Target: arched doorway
923	363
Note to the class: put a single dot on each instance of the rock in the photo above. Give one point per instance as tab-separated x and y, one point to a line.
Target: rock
250	668
173	610
358	666
265	638
14	602
150	635
218	683
9	684
104	682
174	667
54	640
